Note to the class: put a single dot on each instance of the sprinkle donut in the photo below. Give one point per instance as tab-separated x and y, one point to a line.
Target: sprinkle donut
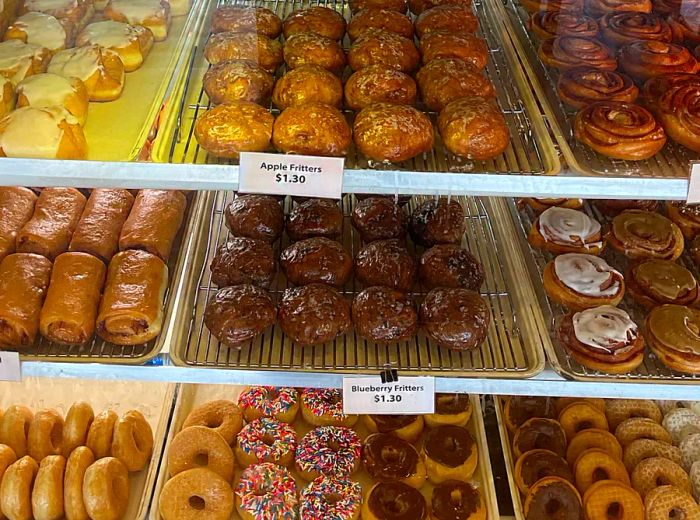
269	401
333	451
266	491
266	440
324	407
331	499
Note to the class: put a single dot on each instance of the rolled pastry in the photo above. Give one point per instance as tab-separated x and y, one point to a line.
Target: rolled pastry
154	222
70	309
131	310
16	208
50	229
24	278
102	221
48	90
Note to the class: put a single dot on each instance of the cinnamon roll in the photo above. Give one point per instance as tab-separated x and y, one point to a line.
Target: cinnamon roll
619	130
657	87
579	281
540	205
567	52
581	86
612	207
643	59
562	230
604	339
686	217
686	25
641	234
677	108
550	24
657	282
574	6
665	7
620	28
601	7
672	332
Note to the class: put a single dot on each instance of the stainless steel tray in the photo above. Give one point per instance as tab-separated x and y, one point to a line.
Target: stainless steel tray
651	370
531	150
190	396
512	348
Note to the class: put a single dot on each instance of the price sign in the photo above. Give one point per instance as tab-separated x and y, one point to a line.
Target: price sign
408	395
302	175
10	369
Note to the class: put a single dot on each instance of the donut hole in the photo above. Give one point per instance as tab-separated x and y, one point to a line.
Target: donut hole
197	503
662	481
391	455
333	445
201	459
614	511
676	514
456	499
449	444
26	429
600	474
552	507
214	421
333	498
268	439
334	399
542	442
56	436
272	394
396	506
138	441
584	425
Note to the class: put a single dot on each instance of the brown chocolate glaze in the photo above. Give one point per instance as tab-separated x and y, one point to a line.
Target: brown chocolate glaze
539	464
397	501
315	218
386	262
540	433
449	265
387	458
377	218
555	501
451	404
384	314
454	500
449	445
316	260
522	408
243	260
255	216
455	318
437	222
390	423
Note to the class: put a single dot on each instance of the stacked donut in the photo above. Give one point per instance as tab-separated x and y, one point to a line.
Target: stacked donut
595	331
77	468
683	423
314	312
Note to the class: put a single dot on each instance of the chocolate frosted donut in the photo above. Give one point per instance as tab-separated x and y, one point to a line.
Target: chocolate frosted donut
391	423
540	433
451	404
449	445
437	221
386	262
379	217
448	265
243	260
553	497
384	314
455	318
316	260
387	458
454	500
315	218
538	464
255	216
396	501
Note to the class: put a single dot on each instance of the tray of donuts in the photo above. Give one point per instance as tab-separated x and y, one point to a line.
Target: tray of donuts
312	93
81	449
617	282
599	458
90	275
616	77
286	453
75	73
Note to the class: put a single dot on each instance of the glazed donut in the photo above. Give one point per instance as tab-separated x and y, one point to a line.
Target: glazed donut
266	440
677	419
331	451
657	471
393	501
266	491
595	464
641	449
619	410
106	489
450	453
16	489
269	401
689	447
80	459
641	428
45	435
593	438
100	434
581	416
606	496
453	409
324	407
519	409
666	502
47	492
406	427
387	459
199	446
563	402
538	464
132	442
196	493
14	428
326	497
7	457
223	416
539	433
76	427
553	498
455	500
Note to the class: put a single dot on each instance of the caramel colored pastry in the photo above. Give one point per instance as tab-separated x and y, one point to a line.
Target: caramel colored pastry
41	29
312	129
657	282
49	90
672	335
378	47
70	309
382	314
540	205
101	223
383	19
240	126
448	265
151	14
581	281
243	260
56	215
316	260
582	415
392	133
599	8
315	218
672	99
437	221
379	84
592	438
537	464
539	433
386	262
76	12
553	497
621	28
563	230
16	208
313	49
131	310
399	6
686	24
255	216
446	18
686	217
641	234
613	207
445	80
377	218
257	48
455	318
19	60
24	278
644	59
102	70
316	19
7	96
450	454
604	339
308	84
566	52
132	43
554	6
547	25
230	18
582	86
238	80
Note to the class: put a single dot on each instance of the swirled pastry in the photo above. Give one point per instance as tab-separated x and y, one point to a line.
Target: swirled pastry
237	80
665	7
644	59
621	28
50	90
308	84
313	49
581	86
566	52
446	18
686	24
445	80
581	281
563	230
599	8
534	6
231	18
42	29
465	47
656	282
132	43
686	217
547	25
379	84
257	48
152	14
641	234
382	19
675	100
19	60
672	332
377	47
102	70
316	19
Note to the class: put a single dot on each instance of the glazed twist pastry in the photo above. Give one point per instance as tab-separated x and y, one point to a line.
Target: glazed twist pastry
678	109
686	217
644	59
672	332
566	52
563	230
656	282
620	28
573	6
619	130
641	234
581	86
686	25
550	24
599	8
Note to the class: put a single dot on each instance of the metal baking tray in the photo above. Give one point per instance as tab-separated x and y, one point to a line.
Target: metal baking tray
672	161
651	370
190	396
100	351
512	348
531	150
154	400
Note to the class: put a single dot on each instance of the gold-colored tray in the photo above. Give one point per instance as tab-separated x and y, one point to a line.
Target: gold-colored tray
672	161
531	150
512	348
509	459
100	351
190	396
154	400
651	370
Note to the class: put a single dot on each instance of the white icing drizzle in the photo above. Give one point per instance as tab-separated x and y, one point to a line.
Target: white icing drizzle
34	132
568	226
604	328
81	62
16	57
136	11
45	90
109	34
42	29
587	274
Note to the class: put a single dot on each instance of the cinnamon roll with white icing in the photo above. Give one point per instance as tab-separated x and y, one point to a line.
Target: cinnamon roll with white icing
658	282
604	339
563	230
580	281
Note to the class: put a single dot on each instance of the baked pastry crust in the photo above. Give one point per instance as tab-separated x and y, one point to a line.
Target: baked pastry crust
581	86
566	52
308	84
686	217
446	18
379	84
257	48
132	43
644	59
47	90
621	28
238	80
563	230
101	70
230	18
656	282
675	100
312	129
550	24
313	49
377	47
382	19
445	80
316	19
641	234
